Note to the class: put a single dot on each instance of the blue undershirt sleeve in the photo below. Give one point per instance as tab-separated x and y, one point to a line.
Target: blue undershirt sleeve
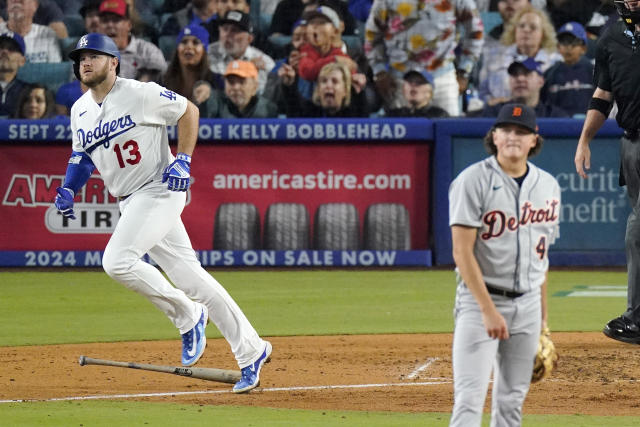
79	169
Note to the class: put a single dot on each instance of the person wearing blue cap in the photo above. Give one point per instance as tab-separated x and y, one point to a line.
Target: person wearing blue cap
417	90
525	82
11	59
568	83
190	63
529	34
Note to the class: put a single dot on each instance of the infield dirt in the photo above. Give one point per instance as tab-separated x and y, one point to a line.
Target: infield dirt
595	375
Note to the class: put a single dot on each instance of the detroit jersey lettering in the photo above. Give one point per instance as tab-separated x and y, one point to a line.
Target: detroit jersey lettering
516	225
127	140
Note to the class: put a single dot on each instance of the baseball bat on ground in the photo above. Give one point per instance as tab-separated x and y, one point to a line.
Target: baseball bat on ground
209	374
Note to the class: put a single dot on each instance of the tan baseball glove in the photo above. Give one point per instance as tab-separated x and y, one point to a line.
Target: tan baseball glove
546	359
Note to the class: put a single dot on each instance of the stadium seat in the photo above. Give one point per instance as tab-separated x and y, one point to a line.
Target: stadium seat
156	5
75	25
354	43
490	20
167	45
51	74
279	41
67	45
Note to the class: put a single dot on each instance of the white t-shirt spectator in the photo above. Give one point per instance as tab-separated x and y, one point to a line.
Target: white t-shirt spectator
40	42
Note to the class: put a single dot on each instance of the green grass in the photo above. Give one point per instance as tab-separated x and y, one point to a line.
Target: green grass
76	307
88	306
110	413
79	307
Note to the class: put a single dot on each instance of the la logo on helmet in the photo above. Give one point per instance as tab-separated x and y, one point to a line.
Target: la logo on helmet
83	41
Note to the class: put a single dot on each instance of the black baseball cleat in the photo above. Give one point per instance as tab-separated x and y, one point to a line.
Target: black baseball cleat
623	329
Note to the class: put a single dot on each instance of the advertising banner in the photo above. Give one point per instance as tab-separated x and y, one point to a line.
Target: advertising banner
360	174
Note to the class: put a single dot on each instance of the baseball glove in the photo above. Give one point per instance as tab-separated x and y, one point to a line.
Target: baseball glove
546	359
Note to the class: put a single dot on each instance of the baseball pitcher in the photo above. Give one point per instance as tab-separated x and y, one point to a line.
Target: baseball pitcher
503	213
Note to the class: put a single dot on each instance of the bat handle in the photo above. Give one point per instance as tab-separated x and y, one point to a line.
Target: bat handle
81	361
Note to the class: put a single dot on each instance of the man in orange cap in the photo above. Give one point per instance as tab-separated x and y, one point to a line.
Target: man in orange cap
240	98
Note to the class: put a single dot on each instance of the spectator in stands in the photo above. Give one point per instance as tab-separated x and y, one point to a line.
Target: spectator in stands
291	53
507	9
236	35
289	11
321	48
417	89
190	63
90	12
529	34
40	41
137	55
11	59
526	81
48	13
35	102
568	83
402	35
240	98
334	94
196	12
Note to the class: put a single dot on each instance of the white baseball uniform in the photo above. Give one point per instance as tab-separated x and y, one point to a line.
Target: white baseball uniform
515	226
126	138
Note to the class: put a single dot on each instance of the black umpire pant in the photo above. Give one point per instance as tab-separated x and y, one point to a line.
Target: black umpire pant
630	172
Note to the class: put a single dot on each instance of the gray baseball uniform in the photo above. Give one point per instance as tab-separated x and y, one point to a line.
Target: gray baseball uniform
516	224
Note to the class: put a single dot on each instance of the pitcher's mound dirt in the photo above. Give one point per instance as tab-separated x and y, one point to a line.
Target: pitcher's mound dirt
595	375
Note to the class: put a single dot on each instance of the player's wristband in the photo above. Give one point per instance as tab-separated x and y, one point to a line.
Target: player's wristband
184	157
601	105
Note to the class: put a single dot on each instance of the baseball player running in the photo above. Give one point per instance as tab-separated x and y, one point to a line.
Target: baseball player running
119	128
503	216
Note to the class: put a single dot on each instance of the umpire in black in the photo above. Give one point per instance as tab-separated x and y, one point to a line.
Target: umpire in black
616	78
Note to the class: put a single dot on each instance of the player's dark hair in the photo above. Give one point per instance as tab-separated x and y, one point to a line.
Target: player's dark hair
493	150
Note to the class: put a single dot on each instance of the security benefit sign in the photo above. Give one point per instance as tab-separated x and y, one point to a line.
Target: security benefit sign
250	204
594	211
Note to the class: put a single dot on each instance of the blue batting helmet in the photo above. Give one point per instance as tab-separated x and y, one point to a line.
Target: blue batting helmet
98	43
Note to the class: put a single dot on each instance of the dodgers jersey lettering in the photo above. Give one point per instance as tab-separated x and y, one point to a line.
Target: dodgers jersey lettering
126	140
516	224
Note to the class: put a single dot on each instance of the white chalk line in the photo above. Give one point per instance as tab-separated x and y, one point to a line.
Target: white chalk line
201	392
422	367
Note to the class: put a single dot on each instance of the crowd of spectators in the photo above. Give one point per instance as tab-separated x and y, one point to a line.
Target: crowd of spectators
318	58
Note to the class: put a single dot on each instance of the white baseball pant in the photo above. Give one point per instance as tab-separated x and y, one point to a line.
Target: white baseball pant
150	223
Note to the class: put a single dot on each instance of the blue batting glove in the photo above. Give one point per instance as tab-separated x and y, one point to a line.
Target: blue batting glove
64	202
178	173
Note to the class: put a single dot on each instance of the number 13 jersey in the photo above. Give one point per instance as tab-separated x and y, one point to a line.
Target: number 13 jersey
126	136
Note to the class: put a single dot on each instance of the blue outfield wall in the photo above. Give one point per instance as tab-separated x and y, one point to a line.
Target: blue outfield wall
594	210
593	215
